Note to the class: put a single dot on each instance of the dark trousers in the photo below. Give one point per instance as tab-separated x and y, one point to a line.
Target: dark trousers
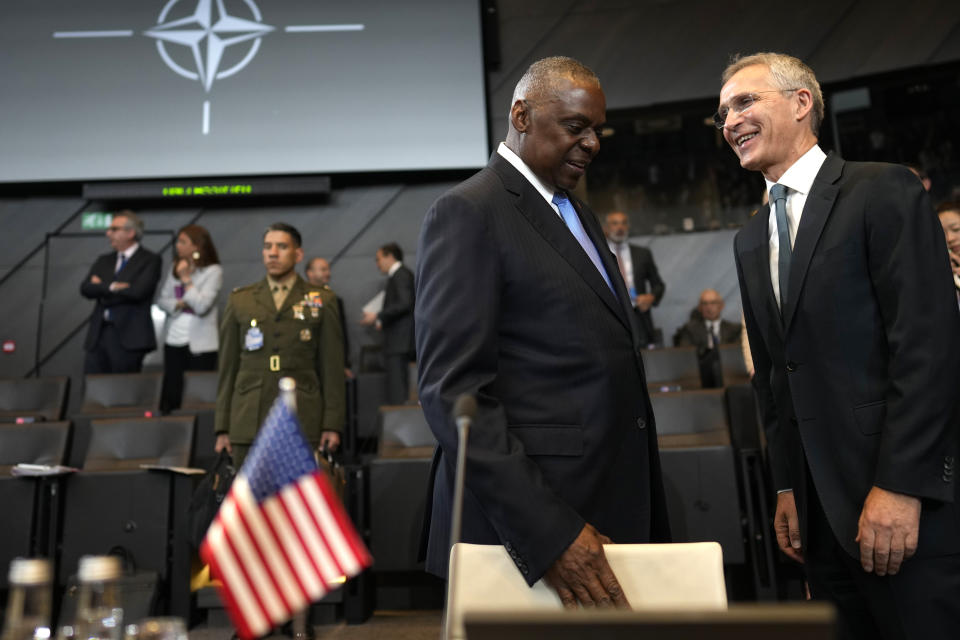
921	601
176	360
397	369
108	356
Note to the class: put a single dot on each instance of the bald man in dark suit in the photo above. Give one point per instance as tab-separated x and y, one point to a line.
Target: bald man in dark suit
521	304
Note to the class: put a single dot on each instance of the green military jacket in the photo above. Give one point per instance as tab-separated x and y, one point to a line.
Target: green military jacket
259	345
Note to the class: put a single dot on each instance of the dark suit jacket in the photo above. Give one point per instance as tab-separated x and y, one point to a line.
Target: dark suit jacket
510	309
858	380
646	279
130	307
396	317
694	334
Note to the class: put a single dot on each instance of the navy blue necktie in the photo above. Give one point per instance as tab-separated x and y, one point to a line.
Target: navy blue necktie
123	262
572	220
778	194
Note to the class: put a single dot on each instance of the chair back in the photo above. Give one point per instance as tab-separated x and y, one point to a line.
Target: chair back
691	418
106	393
672	368
41	443
123	444
37	398
199	390
404	432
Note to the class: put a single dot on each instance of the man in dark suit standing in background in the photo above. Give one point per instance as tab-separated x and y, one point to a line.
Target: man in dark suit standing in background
639	273
395	319
122	283
706	330
855	337
521	304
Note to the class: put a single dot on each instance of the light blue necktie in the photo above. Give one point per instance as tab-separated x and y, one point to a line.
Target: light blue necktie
569	215
778	193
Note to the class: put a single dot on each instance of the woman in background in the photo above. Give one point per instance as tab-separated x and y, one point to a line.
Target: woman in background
189	296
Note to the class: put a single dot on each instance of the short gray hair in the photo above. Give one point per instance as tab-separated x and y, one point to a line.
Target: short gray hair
133	220
787	72
541	76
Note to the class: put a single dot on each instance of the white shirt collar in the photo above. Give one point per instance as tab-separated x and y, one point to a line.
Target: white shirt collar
508	155
129	251
799	177
393	268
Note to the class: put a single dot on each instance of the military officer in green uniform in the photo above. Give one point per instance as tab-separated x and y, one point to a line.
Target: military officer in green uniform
280	326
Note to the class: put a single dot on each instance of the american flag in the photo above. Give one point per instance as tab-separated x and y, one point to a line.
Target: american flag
281	538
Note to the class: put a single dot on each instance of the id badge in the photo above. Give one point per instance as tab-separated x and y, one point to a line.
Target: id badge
254	339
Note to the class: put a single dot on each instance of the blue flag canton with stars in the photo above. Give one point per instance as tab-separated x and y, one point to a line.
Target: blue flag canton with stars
280	454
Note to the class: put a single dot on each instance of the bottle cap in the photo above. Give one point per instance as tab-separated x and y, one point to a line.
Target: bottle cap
99	568
29	571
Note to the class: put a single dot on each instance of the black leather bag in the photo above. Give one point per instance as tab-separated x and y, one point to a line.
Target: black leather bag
208	497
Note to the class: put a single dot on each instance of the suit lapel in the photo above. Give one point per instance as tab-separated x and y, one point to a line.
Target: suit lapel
548	224
294	296
757	252
816	211
263	296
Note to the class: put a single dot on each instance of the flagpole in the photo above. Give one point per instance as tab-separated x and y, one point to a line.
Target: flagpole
288	393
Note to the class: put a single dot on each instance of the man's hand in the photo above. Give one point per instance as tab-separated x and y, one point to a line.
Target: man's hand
369	317
329	440
888	530
95	279
582	574
117	286
787	526
348	374
223	442
645	301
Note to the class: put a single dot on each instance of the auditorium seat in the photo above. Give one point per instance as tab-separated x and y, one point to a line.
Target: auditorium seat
40	443
684	577
33	398
398	485
121	444
113	395
29	503
672	369
200	400
122	393
112	505
699	469
732	365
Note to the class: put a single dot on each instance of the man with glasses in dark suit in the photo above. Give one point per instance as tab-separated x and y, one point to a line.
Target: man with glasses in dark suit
122	284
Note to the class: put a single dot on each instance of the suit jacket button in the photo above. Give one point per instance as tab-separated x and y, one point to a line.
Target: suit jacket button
641	423
791	366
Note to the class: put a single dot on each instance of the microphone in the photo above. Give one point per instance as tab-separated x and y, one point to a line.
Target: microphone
464	410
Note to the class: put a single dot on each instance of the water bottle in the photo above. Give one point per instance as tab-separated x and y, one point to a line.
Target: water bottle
99	616
28	605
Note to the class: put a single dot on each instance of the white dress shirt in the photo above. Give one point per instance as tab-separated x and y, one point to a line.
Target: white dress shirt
713	333
622	251
798	179
507	154
127	253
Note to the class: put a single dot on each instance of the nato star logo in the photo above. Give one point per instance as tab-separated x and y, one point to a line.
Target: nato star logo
207	36
206	33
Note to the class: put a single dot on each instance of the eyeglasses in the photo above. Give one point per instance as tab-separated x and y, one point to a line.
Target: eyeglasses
113	229
739	104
